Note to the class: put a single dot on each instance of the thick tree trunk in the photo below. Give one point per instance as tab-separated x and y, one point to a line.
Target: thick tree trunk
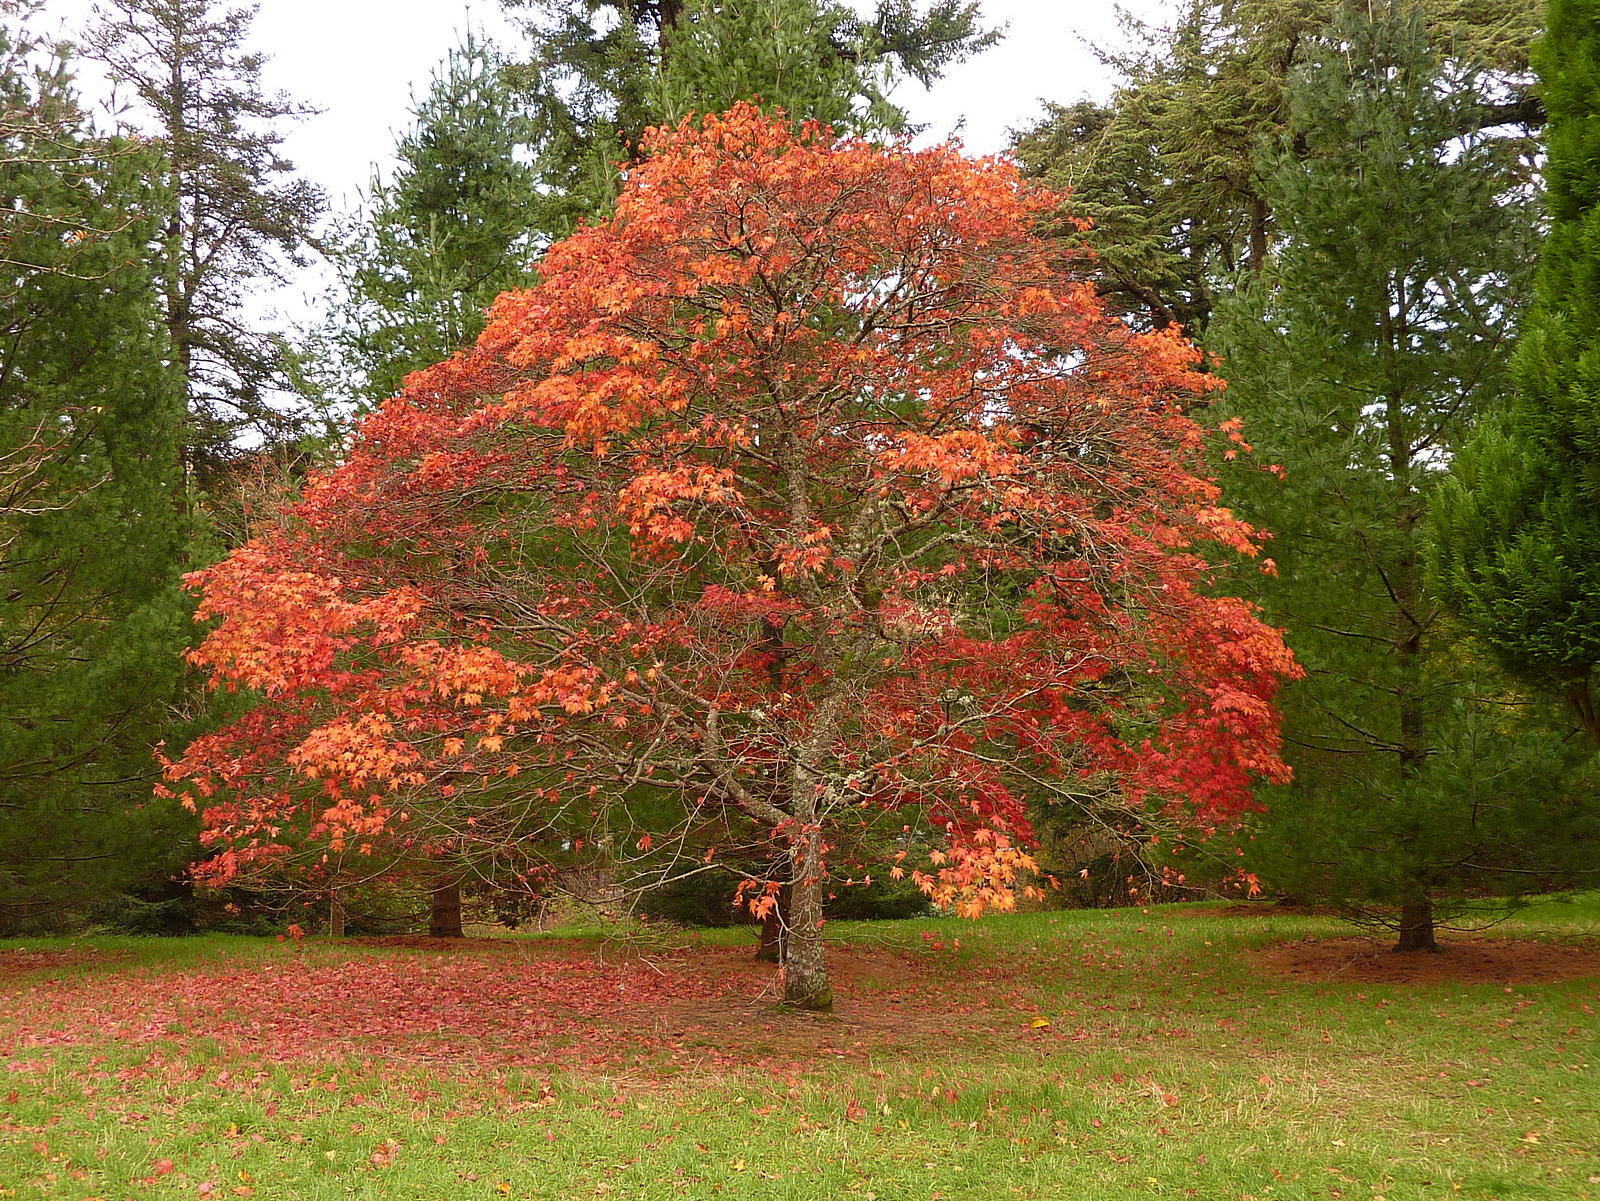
1416	926
335	914
1582	701
805	972
444	915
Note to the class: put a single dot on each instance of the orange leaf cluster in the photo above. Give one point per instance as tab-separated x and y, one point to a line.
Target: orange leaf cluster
813	496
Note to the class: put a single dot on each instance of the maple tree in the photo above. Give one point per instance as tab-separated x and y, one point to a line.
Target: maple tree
810	494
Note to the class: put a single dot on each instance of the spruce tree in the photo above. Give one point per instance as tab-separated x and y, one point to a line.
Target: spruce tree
1356	360
1516	529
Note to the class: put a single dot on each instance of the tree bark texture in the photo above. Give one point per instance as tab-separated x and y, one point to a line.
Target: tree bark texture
1416	926
444	914
805	973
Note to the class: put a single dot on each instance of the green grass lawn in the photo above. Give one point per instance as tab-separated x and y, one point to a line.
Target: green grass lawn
1178	1061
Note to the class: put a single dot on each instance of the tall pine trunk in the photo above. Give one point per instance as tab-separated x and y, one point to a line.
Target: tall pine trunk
1416	909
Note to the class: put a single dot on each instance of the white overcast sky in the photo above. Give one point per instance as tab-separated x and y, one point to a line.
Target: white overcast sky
360	61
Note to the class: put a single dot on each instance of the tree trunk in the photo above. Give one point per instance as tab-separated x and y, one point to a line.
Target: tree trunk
1259	216
805	973
1581	699
1416	925
335	914
770	948
444	916
1405	576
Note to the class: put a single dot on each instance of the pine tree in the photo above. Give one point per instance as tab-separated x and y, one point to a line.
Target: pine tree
456	224
1356	360
1516	546
92	532
602	71
235	218
1167	168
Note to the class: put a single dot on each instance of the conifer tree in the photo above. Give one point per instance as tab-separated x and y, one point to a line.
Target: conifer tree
1516	545
1356	360
235	219
92	533
808	59
1167	168
602	71
456	224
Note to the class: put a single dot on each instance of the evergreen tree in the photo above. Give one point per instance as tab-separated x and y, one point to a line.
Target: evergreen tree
456	225
1356	360
604	70
235	219
92	532
812	60
1516	547
1167	168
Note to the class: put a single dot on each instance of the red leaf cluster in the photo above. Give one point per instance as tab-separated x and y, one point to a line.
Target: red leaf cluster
810	491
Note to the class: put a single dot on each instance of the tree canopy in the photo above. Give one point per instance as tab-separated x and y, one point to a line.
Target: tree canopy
811	486
601	72
1167	167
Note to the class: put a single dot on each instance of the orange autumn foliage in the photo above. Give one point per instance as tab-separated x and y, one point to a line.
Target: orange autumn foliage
813	484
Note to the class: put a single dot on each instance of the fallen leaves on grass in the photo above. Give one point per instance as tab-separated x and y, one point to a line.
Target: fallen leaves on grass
496	1003
509	1008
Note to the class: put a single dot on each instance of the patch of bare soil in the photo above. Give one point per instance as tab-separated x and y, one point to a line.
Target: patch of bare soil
22	962
1465	959
1265	909
883	1001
